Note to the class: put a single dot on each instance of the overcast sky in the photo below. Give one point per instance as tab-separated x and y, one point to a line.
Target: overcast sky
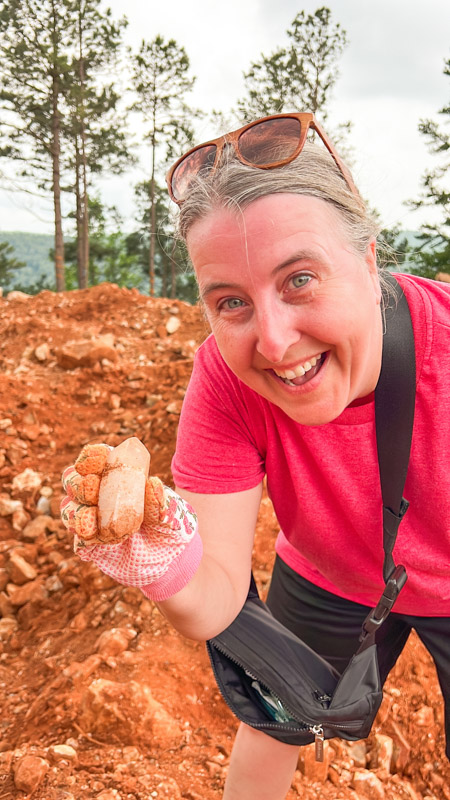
391	76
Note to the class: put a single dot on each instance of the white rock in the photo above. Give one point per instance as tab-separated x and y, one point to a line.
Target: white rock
42	352
43	505
9	506
20	296
27	481
62	752
172	324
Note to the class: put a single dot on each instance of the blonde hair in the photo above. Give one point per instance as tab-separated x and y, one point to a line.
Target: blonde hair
233	186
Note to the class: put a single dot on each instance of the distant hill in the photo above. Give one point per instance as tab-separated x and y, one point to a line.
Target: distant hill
33	249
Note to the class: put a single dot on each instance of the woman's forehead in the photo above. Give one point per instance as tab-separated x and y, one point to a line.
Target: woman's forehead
269	221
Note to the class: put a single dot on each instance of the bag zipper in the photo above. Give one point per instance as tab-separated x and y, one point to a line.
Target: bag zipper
281	725
316	729
319	737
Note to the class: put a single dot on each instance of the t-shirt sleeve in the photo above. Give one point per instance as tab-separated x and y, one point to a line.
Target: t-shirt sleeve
217	451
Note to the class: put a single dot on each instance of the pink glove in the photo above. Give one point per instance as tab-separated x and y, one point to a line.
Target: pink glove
160	558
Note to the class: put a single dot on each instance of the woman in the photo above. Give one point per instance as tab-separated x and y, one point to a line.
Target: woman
284	253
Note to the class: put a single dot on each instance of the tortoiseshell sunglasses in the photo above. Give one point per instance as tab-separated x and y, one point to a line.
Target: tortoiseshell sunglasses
266	143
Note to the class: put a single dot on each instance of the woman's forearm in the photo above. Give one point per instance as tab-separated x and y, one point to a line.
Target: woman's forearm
207	604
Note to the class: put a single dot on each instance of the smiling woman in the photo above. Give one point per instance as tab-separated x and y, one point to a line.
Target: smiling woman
285	259
283	390
293	307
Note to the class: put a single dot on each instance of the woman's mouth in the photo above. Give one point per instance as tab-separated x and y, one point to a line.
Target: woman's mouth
302	372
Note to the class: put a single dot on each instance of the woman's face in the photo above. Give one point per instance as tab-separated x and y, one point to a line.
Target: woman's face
294	310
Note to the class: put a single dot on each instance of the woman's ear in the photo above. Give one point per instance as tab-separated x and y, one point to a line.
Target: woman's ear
371	261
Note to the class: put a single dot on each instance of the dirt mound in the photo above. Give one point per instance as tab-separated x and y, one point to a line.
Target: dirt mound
100	698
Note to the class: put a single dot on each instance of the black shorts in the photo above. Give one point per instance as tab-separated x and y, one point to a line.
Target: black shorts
331	626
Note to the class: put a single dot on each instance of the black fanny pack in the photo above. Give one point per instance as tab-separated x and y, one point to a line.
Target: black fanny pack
269	677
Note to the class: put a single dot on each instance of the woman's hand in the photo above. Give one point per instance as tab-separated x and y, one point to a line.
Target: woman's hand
160	558
199	594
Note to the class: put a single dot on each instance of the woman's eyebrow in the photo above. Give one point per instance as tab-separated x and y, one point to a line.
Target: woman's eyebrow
300	255
215	286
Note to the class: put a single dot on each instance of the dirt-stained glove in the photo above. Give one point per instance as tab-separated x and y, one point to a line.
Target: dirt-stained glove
160	558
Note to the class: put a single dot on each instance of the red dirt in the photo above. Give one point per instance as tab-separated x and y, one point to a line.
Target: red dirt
52	659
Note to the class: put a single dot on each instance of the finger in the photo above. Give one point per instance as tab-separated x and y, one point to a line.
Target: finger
67	511
83	550
80	520
83	488
154	502
92	459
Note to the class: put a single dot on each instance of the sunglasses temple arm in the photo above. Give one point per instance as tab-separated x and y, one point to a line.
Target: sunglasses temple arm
332	150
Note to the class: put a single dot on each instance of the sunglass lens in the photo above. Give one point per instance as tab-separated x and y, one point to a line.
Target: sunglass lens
201	159
270	141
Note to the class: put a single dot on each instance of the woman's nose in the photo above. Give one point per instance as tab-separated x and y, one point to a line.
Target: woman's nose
276	333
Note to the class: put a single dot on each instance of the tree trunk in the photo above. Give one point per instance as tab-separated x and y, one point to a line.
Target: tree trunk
152	236
151	250
85	227
173	268
85	200
164	274
56	151
79	215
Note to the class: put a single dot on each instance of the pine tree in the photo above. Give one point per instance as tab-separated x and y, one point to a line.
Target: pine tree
161	81
300	76
171	262
33	42
433	254
94	128
56	120
9	264
109	256
316	46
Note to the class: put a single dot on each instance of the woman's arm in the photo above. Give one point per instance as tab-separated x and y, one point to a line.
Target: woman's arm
217	592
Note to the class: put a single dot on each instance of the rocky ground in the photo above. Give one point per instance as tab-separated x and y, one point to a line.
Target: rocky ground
99	697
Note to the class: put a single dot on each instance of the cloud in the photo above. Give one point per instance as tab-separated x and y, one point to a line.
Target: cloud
396	47
391	75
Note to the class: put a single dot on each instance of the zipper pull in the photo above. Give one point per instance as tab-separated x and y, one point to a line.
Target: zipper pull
317	730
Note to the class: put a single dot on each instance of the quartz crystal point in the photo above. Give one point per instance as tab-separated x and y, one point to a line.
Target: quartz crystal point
122	490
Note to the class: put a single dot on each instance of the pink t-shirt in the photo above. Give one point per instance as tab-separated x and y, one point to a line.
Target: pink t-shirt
323	480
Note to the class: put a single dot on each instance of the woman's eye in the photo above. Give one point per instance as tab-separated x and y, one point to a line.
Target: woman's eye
232	303
299	281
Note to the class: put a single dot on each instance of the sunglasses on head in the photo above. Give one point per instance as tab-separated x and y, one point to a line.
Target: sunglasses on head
267	143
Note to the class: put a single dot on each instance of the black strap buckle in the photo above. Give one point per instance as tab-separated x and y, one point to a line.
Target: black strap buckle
377	615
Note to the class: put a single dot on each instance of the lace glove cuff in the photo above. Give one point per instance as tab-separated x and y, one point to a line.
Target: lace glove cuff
160	558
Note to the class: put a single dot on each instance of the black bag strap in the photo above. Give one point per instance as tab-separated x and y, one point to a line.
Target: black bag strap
394	418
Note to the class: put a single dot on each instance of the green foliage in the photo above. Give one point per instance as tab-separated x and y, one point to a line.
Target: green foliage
31	250
432	255
317	46
173	275
161	80
109	257
299	77
393	249
431	258
33	35
8	263
60	120
93	127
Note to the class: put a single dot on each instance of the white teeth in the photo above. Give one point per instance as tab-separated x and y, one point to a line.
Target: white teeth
298	371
